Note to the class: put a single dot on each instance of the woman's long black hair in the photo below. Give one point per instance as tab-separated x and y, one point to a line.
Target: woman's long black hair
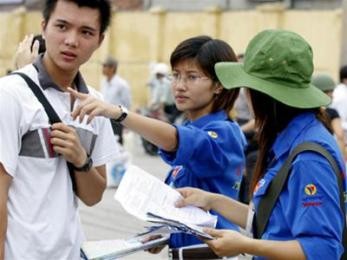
271	117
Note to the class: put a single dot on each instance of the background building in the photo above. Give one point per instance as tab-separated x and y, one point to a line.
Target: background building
197	5
146	31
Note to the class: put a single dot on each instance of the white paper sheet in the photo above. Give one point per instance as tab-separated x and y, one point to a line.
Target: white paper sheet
139	192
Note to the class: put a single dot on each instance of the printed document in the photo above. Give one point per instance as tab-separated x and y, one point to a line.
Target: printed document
141	193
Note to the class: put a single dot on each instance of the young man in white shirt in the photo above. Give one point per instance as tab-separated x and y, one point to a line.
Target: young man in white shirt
339	100
38	207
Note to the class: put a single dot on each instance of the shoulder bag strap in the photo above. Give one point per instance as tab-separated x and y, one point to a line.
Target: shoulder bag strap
52	115
267	203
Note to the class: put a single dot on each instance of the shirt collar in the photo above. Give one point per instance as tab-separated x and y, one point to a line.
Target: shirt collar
46	81
287	137
200	122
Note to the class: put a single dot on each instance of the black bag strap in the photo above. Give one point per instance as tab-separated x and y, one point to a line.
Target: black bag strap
52	115
267	203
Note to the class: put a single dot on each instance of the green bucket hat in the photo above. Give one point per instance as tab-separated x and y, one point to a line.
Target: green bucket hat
324	82
277	63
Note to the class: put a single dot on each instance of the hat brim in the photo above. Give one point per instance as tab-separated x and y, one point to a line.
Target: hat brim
232	75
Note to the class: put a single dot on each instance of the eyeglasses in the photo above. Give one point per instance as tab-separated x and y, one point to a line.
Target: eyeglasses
190	79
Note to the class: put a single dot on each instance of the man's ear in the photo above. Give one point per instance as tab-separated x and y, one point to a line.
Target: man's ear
43	27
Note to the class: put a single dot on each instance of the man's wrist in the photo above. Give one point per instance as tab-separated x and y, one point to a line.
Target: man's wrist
86	166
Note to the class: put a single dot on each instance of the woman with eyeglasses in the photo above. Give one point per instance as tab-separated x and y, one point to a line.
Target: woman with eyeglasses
205	152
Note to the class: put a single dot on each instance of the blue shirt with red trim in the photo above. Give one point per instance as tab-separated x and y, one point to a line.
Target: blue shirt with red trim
308	208
210	156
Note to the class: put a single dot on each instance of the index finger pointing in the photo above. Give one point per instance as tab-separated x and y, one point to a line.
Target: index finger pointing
77	94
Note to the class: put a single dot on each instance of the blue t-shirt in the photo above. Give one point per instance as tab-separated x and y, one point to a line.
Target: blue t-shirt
308	208
210	156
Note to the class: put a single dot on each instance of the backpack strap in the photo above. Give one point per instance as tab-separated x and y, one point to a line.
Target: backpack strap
267	203
52	115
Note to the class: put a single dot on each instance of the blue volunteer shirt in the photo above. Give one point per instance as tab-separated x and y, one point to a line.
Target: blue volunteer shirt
308	209
210	156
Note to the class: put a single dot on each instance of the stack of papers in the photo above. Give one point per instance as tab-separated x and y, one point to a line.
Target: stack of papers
113	249
173	226
149	199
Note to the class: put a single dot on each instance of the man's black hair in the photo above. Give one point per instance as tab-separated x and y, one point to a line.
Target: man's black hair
104	7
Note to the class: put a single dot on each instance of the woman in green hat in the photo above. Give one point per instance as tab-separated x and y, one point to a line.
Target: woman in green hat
305	220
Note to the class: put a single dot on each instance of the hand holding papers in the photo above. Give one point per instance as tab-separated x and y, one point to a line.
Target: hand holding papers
149	199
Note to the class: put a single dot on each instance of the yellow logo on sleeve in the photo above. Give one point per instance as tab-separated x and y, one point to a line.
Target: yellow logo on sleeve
310	189
213	134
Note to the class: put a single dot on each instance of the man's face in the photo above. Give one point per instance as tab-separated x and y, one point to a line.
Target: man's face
108	71
72	34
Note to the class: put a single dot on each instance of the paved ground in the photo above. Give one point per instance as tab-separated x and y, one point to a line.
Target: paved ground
108	220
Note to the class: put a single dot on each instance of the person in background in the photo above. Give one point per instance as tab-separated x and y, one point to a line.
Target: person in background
38	205
207	151
28	50
116	91
339	100
277	73
162	98
325	83
158	71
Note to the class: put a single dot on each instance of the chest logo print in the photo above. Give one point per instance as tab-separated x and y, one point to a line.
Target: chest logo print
310	189
213	134
176	170
259	185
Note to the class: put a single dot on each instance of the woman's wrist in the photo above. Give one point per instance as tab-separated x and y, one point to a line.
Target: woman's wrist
246	244
212	200
122	113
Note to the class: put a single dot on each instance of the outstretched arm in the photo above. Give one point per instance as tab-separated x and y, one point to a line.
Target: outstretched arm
229	243
157	132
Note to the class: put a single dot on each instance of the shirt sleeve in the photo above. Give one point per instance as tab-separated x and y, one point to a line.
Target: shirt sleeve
312	207
200	150
10	114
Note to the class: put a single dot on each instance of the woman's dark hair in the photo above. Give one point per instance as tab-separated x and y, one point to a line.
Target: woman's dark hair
271	117
206	52
104	7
